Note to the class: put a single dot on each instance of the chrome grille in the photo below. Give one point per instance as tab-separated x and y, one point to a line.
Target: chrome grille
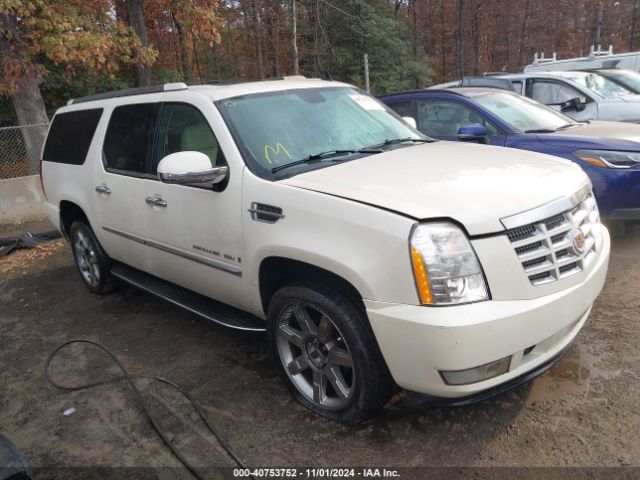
550	249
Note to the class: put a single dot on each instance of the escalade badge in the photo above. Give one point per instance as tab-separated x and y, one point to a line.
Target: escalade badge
578	240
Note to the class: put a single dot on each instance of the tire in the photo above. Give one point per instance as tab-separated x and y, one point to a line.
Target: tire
323	348
92	262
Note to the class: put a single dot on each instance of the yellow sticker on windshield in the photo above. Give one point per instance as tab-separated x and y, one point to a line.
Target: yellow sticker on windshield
269	151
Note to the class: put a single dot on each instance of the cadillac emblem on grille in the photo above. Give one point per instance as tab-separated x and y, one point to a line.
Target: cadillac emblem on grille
578	240
560	245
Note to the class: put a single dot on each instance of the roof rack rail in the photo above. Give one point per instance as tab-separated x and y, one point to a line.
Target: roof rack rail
599	52
130	91
234	81
539	58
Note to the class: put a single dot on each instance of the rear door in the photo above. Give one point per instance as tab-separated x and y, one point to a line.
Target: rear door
120	183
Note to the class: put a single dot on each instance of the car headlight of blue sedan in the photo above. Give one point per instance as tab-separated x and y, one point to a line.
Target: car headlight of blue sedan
609	158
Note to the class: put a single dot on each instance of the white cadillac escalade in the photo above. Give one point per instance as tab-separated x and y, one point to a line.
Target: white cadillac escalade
373	257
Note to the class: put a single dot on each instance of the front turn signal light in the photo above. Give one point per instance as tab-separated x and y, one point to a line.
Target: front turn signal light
422	279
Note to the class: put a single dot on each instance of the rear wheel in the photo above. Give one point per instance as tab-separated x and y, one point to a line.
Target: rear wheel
92	262
326	353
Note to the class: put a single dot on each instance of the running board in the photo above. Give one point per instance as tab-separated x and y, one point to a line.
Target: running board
194	302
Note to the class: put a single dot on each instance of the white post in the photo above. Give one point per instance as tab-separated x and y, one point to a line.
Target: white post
366	73
294	40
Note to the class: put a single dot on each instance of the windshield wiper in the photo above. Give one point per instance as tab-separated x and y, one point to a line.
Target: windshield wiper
552	130
541	130
396	141
568	125
322	155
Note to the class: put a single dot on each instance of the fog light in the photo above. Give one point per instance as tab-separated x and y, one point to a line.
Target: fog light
477	374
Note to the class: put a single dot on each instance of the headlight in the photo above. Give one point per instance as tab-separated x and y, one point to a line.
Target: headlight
609	158
445	266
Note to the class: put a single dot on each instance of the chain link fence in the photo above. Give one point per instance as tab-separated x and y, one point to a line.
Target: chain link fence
20	149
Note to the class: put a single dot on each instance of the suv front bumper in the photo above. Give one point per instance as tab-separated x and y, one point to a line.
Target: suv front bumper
419	342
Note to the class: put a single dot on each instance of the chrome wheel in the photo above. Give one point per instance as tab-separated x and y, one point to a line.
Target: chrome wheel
86	258
315	356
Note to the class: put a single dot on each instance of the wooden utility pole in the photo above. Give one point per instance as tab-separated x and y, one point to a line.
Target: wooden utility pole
294	41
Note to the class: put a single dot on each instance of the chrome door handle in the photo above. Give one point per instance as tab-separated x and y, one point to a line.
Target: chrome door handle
155	201
103	189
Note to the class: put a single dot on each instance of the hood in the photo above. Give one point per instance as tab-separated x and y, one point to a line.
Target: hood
604	135
476	185
626	98
621	109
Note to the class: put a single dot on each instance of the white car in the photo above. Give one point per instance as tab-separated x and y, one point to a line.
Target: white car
373	256
582	96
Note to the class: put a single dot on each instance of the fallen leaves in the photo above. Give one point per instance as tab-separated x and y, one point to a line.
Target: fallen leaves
21	260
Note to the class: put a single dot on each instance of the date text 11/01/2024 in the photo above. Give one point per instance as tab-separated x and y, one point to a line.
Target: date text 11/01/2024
316	473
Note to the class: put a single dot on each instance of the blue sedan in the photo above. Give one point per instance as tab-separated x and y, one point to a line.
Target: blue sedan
609	152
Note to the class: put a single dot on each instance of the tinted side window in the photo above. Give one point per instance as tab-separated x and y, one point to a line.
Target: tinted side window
441	118
128	142
404	109
184	128
70	136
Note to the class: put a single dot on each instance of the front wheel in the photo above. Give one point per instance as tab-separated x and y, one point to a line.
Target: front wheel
326	353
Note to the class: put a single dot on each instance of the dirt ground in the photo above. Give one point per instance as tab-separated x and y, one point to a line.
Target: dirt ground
585	412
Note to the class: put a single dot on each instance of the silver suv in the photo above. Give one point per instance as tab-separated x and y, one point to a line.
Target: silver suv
580	95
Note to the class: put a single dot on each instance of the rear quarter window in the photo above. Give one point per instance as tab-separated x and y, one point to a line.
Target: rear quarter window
70	136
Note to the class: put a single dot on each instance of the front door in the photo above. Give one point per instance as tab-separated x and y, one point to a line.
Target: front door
556	94
440	118
195	233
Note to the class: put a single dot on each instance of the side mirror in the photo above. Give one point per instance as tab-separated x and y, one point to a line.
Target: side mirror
473	132
573	104
411	121
190	168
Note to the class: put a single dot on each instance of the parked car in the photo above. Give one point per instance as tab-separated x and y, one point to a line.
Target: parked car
580	95
609	152
628	79
372	255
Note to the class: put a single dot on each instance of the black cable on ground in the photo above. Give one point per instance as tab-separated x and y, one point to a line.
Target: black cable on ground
145	407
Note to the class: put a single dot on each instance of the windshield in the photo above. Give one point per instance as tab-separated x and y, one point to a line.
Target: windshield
277	128
602	86
630	79
522	113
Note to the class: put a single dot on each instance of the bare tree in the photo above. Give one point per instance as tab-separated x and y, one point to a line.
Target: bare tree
257	35
25	95
598	38
135	10
461	59
524	37
182	41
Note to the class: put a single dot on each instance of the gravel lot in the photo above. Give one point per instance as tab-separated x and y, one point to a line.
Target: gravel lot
585	412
